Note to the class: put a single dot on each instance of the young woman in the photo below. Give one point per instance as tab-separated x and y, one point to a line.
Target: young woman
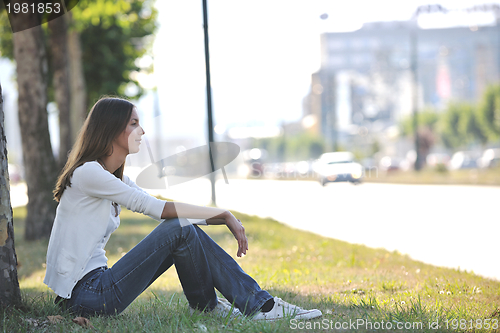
90	190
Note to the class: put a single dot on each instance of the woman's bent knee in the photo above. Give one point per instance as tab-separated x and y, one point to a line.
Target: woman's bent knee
177	226
169	227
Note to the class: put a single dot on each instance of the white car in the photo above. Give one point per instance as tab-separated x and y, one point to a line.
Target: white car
490	158
338	167
464	160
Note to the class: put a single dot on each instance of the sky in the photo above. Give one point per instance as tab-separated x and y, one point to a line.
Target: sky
262	55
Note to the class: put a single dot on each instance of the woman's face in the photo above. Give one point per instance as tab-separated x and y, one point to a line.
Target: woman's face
130	139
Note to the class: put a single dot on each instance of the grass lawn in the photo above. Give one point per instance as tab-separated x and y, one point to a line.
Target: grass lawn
429	176
357	288
489	177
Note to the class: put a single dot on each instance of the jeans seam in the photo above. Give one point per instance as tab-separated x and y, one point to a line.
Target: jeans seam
259	305
142	262
201	281
259	302
247	288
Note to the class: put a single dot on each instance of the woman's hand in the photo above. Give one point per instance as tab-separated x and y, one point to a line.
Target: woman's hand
238	231
212	215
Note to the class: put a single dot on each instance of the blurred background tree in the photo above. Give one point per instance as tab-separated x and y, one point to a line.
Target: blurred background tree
305	146
284	148
104	41
39	163
9	284
460	124
449	126
426	118
60	69
473	131
114	34
489	112
427	130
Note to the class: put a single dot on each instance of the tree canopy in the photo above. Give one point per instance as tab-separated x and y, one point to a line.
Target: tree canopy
114	34
462	124
304	146
489	112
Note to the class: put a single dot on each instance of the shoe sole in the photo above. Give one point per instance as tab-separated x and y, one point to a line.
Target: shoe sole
308	315
301	316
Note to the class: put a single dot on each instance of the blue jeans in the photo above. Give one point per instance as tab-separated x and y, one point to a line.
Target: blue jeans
201	265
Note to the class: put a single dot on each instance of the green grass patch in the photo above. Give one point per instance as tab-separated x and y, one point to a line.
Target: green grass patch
438	177
351	284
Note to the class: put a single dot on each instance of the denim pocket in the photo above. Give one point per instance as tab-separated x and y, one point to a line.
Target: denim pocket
93	282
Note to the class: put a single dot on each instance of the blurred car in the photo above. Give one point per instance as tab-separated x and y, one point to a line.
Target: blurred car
435	159
303	168
390	164
338	167
490	158
288	170
464	160
254	158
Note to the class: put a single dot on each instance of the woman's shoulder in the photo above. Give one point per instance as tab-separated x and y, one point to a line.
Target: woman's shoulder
127	180
88	168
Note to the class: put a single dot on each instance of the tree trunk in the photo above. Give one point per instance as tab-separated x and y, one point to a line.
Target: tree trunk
9	285
39	163
60	65
77	80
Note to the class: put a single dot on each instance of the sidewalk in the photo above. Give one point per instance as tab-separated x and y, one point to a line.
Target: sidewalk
18	195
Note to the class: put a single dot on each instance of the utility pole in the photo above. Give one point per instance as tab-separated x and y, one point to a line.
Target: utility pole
414	72
328	80
332	85
414	86
414	75
209	100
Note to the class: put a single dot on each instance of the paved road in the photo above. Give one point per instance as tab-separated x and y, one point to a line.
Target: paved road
453	226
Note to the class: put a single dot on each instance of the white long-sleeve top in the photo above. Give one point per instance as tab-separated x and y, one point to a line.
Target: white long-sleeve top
82	219
98	257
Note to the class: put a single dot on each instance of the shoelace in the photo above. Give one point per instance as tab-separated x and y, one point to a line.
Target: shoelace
235	311
288	306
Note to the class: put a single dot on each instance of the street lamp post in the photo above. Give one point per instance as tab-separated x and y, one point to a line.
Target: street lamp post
414	85
414	71
209	100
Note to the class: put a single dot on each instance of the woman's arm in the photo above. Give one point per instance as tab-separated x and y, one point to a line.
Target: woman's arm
179	209
94	181
212	215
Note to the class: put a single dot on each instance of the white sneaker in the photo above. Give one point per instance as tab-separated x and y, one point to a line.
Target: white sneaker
222	309
283	309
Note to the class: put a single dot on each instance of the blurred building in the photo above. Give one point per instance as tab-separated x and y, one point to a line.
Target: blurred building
365	74
320	103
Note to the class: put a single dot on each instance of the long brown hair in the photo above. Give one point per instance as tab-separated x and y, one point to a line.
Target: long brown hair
107	119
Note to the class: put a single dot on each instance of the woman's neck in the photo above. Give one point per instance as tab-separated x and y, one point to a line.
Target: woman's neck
112	162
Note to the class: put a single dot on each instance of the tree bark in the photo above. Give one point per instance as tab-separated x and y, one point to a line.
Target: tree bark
9	285
39	163
77	80
60	65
